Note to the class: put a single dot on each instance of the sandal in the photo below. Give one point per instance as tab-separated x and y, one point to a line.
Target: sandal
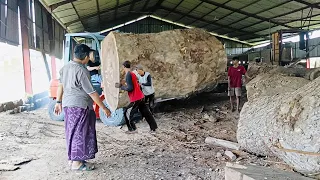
85	167
70	163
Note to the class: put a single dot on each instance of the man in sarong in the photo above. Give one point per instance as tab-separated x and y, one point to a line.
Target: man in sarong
76	96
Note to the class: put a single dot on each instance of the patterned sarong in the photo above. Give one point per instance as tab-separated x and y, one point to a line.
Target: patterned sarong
80	128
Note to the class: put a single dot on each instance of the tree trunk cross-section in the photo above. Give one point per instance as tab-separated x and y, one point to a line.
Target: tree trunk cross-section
181	62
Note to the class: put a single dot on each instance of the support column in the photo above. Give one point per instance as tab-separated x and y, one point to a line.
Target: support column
25	47
53	67
308	63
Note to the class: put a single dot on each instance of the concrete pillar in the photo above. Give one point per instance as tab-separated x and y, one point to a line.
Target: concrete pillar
25	47
53	67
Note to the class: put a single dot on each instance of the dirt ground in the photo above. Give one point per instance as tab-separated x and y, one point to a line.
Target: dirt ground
177	151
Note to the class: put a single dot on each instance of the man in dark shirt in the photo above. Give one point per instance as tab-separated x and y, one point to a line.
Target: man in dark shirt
94	66
136	100
235	73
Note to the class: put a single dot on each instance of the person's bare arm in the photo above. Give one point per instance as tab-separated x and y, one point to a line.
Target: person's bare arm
247	76
93	68
58	106
229	78
96	98
60	92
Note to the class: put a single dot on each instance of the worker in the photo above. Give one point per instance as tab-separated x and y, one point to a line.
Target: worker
94	66
76	95
136	97
145	82
235	73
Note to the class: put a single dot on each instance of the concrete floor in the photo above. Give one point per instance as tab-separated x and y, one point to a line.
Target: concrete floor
177	151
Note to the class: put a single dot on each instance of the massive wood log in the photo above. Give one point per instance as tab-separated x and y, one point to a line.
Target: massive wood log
181	62
273	83
282	118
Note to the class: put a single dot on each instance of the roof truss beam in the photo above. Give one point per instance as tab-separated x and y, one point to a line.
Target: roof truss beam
207	14
98	9
133	2
158	5
314	5
208	22
175	7
101	12
300	19
77	14
131	15
245	13
146	4
263	11
285	2
190	11
116	11
56	5
274	17
239	9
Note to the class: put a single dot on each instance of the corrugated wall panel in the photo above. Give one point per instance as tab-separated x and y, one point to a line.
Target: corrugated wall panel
39	38
9	31
12	31
30	34
38	14
3	21
45	15
46	42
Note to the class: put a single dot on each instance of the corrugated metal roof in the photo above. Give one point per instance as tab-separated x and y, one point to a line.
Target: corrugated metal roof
246	20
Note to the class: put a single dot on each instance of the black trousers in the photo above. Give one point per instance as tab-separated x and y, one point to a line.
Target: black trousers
145	112
150	101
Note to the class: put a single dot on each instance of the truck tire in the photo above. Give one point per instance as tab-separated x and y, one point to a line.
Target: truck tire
51	113
116	119
315	74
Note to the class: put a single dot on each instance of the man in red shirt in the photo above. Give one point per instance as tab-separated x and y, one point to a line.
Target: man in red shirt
235	73
136	97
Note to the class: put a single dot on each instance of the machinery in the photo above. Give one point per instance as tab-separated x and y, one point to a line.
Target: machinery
93	40
282	52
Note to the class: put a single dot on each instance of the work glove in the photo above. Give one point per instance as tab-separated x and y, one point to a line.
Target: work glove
117	85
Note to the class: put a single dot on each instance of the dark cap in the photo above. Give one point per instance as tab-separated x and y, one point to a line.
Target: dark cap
82	48
127	64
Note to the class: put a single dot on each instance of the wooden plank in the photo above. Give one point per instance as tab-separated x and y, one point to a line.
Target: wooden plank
222	143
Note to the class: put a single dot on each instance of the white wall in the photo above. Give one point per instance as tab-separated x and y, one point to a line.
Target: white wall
11	73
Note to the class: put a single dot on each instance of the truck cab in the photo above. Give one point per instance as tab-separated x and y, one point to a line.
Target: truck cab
93	40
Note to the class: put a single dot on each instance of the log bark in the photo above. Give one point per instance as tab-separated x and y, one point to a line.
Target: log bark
181	62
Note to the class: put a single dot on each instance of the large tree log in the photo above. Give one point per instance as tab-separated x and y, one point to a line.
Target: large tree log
273	83
283	120
181	62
